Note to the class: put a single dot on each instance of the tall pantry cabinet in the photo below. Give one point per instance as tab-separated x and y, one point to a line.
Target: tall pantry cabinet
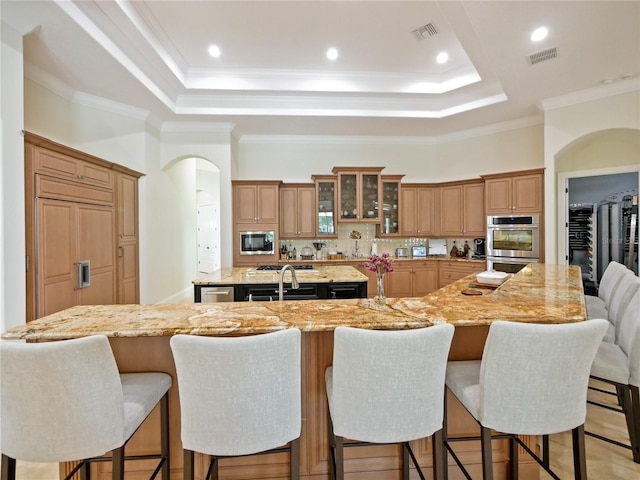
81	229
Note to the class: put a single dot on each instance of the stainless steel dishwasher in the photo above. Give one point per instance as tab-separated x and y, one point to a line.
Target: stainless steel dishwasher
216	294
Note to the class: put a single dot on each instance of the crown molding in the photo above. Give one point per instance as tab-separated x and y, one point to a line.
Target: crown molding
111	106
591	94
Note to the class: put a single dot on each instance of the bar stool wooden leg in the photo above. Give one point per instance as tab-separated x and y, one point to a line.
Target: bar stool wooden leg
164	435
439	455
487	458
405	461
635	410
294	460
579	453
8	468
339	457
188	464
117	472
513	458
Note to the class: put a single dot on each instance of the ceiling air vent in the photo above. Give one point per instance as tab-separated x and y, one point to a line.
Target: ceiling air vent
428	30
542	56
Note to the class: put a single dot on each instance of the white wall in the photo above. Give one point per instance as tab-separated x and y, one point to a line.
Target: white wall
12	229
295	159
567	124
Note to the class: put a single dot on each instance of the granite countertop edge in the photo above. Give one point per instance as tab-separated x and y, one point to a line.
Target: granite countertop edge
540	293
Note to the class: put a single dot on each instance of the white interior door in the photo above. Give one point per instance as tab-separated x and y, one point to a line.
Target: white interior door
208	238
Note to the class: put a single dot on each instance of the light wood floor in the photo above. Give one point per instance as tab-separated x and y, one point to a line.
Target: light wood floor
604	461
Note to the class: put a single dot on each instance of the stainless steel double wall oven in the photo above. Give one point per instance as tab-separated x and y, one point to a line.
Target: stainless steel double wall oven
512	242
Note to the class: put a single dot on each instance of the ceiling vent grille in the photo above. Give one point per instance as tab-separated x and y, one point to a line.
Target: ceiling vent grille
428	30
542	56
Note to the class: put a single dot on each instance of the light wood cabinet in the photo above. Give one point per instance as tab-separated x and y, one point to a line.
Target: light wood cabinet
297	201
462	210
412	278
326	190
128	240
256	202
450	271
81	221
66	166
515	192
359	194
418	210
391	192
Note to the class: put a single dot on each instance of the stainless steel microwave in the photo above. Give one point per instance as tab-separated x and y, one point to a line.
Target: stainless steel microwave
257	243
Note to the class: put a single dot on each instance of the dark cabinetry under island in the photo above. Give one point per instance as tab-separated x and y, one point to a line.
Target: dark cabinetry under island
250	284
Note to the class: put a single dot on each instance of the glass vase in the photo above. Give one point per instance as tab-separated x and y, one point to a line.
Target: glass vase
380	288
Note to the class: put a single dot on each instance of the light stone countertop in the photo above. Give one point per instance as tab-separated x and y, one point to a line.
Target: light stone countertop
250	275
539	293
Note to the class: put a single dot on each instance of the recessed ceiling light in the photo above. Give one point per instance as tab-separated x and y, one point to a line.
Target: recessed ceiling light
442	57
539	33
214	51
332	53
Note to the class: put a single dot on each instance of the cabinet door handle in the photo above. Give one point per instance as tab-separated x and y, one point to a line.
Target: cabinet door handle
121	251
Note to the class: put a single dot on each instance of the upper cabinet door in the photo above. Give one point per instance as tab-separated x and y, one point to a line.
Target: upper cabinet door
359	194
527	193
256	203
326	190
296	204
516	192
391	192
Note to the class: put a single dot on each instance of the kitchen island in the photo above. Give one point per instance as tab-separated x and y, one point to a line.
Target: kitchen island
261	284
140	340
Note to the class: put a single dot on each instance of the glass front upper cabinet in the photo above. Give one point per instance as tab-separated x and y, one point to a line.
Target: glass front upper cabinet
359	194
390	209
326	204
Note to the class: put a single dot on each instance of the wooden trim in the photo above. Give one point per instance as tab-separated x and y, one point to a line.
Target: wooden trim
357	169
534	171
256	182
297	185
460	182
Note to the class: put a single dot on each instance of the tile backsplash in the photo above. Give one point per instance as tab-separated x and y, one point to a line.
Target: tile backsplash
347	246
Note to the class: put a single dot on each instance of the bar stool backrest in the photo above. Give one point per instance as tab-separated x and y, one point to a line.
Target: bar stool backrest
240	395
388	386
60	401
610	281
629	338
534	377
627	286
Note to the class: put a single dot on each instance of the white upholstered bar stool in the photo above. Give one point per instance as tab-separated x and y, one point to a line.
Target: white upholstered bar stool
598	306
387	387
65	401
618	364
532	380
239	396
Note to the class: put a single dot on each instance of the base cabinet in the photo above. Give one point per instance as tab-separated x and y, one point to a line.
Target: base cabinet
450	271
413	278
307	291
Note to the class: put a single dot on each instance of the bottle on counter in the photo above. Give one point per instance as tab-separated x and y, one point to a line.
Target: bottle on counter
294	256
454	250
465	248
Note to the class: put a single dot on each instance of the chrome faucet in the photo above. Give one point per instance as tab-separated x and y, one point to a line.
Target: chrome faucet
294	280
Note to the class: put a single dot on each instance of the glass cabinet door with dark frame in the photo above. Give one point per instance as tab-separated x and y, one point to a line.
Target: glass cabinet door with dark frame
326	205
